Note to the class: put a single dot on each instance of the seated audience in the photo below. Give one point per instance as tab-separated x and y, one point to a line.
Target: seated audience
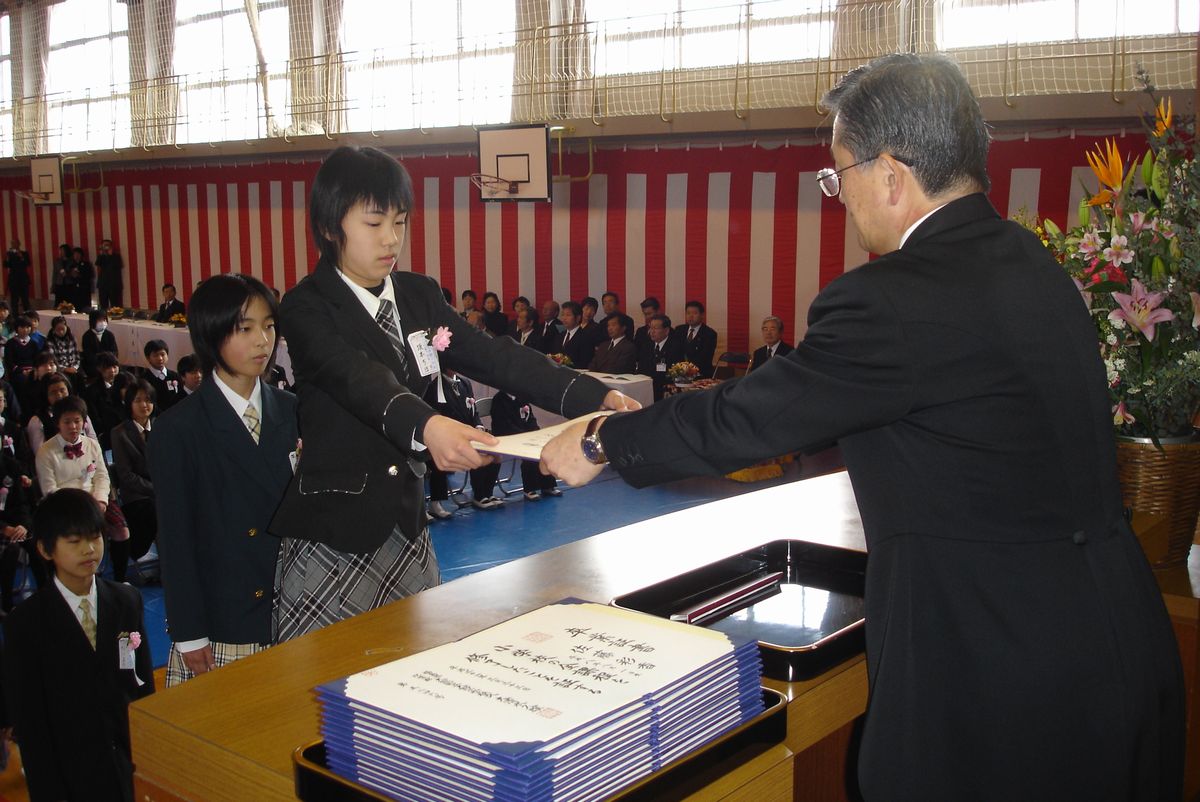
468	302
699	340
76	654
511	415
29	386
772	333
20	351
524	332
617	354
61	343
650	308
36	320
494	318
189	372
44	423
587	322
16	507
460	405
551	328
660	351
103	397
574	343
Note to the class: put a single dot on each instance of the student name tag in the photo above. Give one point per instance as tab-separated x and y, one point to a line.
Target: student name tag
661	367
125	654
427	361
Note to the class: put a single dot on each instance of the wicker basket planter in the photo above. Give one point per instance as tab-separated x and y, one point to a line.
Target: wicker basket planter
1165	482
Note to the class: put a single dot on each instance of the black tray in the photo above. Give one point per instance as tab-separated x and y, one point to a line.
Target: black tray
813	622
676	780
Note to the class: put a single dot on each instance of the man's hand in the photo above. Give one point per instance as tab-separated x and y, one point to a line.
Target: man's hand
620	402
449	443
199	661
563	457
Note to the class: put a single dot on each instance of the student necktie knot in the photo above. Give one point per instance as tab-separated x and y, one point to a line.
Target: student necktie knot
88	620
253	422
73	450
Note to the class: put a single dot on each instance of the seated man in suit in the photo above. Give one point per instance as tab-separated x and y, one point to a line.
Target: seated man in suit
650	308
551	328
170	306
524	332
660	351
772	331
700	341
616	354
576	344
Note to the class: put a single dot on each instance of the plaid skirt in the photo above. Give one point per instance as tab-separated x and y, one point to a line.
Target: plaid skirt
223	655
317	585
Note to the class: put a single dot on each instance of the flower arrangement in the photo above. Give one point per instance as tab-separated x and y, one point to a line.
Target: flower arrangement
683	370
178	319
562	360
66	308
1135	257
116	312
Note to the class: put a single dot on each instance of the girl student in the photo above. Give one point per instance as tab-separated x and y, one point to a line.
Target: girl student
221	459
371	341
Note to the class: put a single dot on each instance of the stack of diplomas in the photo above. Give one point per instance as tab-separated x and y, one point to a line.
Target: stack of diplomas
569	702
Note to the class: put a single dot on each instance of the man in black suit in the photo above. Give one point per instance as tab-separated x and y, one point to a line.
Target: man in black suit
16	261
1017	644
551	328
772	332
574	342
170	306
699	340
524	332
660	351
111	280
650	308
616	354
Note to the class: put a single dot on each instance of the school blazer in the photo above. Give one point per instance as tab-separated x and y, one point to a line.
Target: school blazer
216	492
69	702
359	476
129	463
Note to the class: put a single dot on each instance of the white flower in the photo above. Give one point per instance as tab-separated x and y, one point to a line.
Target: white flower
1117	323
1134	390
1148	383
1111	339
1119	364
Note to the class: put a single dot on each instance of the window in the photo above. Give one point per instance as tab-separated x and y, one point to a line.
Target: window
977	23
86	74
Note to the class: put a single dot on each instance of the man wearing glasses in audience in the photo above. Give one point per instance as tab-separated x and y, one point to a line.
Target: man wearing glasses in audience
1017	642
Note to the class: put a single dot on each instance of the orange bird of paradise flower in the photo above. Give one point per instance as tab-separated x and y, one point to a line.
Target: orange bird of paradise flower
1110	169
1162	116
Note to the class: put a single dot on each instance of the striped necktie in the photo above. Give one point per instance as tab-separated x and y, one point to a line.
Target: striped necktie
88	621
386	319
253	422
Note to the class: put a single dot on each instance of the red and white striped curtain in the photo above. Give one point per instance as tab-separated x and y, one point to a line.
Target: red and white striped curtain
743	229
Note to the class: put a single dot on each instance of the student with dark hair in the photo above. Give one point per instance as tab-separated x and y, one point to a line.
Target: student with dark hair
353	520
29	386
103	397
16	505
468	302
16	262
220	461
698	338
70	458
62	282
588	327
650	308
20	351
190	373
42	424
494	319
95	340
611	303
61	343
170	306
130	469
76	655
110	281
166	383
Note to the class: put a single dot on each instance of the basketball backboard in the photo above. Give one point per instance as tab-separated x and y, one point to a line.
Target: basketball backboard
514	163
45	175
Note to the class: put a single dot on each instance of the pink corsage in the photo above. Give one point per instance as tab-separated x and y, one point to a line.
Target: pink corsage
91	468
8	442
135	640
441	339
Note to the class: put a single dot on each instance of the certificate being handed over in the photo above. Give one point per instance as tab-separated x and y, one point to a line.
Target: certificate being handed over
528	445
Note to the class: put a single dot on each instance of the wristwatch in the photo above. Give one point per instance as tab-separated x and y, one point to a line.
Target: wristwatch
593	449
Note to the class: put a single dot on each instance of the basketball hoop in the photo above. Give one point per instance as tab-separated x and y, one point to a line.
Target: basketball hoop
493	183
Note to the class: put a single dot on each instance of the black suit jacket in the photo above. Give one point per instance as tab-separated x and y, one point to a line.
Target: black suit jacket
649	360
168	392
167	310
761	355
130	469
534	340
580	349
619	359
701	349
1011	616
90	345
550	333
360	410
69	703
216	492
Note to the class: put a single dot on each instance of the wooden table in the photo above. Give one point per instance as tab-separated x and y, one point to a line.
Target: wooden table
230	734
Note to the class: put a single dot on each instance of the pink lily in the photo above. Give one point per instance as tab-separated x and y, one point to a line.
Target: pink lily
1141	309
1195	309
441	340
1087	296
1091	244
1138	222
1117	253
1121	415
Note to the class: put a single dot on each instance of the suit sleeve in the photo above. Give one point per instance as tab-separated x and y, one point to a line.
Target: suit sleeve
852	372
173	472
25	692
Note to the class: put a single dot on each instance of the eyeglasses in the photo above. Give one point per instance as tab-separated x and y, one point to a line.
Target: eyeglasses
830	180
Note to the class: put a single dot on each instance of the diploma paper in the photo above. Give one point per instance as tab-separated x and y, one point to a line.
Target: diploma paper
529	445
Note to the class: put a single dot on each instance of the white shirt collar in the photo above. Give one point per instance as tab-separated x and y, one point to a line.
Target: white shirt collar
149	423
618	339
238	403
73	600
368	299
913	227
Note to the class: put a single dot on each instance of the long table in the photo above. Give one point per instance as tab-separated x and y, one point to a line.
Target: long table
229	735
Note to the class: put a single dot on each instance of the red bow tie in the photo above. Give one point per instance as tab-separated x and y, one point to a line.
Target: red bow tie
74	451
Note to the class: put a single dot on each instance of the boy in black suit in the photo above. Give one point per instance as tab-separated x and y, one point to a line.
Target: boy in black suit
459	404
76	655
167	383
513	415
21	350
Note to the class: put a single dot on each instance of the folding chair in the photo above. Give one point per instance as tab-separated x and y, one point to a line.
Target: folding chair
731	364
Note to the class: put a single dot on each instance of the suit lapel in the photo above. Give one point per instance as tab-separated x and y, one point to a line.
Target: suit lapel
361	327
412	318
272	441
76	643
232	437
108	625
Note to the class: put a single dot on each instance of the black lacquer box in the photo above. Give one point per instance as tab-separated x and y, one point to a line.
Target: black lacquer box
802	602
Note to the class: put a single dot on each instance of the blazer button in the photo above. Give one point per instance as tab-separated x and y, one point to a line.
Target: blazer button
1079	538
393	470
258	594
252	532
